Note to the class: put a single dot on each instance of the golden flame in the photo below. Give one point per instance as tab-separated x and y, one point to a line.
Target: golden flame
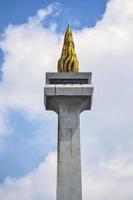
68	61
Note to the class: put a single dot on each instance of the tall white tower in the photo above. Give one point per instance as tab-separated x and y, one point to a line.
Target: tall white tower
68	93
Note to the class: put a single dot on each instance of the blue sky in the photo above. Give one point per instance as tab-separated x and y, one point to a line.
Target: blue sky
86	13
30	45
15	13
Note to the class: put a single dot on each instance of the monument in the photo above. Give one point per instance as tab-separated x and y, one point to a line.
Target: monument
68	93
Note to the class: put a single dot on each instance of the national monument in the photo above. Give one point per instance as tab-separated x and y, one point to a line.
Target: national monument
68	92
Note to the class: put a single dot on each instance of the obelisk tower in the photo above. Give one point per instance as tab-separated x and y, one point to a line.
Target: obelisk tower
68	93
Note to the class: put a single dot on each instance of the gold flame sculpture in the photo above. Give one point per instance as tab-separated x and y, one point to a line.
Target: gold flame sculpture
68	61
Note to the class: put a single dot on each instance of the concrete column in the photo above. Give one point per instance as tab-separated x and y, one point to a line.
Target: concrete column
68	94
69	185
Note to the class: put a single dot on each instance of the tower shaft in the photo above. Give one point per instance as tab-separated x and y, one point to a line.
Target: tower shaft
68	94
69	161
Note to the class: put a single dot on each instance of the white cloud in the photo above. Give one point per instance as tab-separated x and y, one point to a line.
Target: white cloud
110	180
53	9
39	184
30	50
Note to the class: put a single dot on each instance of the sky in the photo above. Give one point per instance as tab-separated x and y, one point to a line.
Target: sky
31	37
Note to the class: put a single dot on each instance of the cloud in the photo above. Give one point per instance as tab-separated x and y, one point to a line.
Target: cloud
32	185
52	9
29	51
110	180
106	131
